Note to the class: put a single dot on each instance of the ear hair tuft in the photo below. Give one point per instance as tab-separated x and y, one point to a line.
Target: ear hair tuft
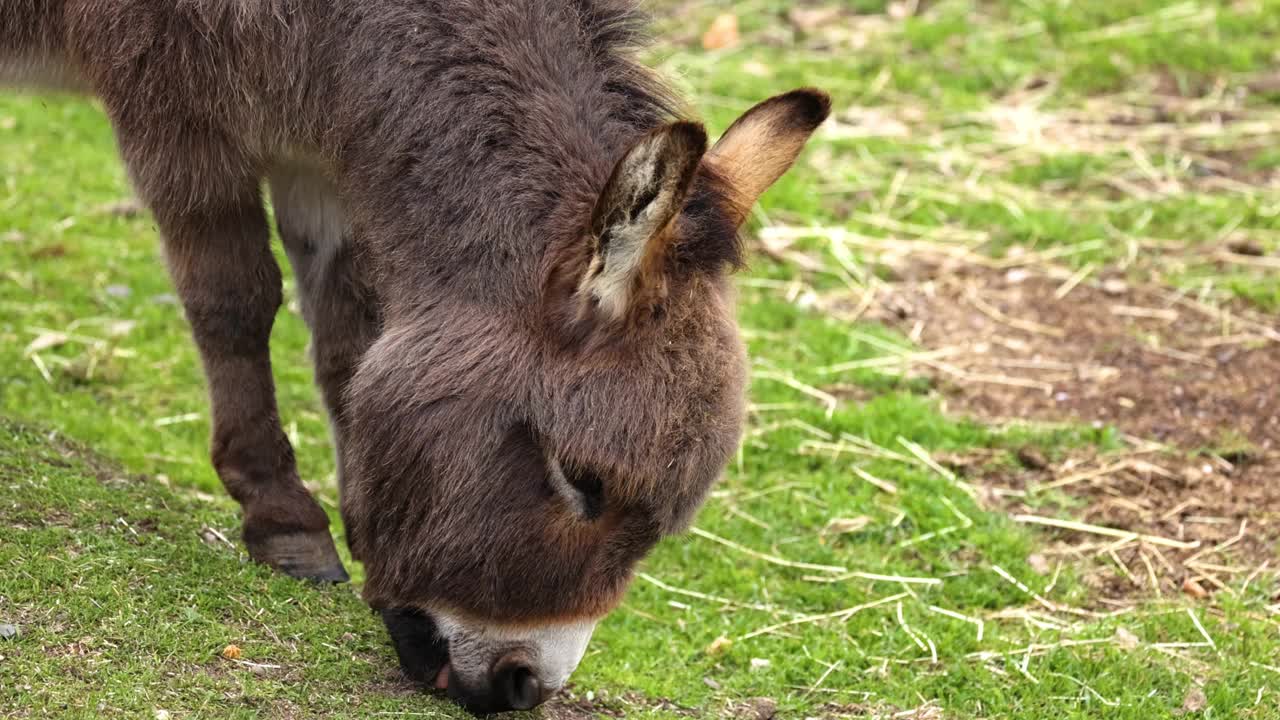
630	225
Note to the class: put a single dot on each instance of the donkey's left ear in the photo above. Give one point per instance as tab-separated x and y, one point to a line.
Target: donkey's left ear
763	143
630	226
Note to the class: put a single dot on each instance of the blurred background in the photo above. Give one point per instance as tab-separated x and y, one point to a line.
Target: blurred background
1014	429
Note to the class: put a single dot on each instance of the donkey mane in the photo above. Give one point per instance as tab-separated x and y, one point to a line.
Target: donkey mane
532	102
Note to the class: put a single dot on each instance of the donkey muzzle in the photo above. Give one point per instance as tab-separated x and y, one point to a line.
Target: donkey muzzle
510	684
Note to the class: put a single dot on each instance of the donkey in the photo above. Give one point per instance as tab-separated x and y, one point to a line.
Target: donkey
514	262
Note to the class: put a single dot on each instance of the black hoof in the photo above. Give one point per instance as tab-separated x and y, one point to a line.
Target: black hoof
303	555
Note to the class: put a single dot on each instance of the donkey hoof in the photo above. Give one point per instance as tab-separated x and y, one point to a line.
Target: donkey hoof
303	555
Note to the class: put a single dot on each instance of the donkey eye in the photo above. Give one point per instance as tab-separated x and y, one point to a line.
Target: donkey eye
583	489
591	488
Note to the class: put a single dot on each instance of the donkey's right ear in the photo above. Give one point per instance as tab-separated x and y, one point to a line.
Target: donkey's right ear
631	223
762	144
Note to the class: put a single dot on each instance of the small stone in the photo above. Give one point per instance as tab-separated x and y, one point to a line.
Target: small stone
1039	563
8	632
761	708
1114	287
161	714
1126	639
119	291
759	663
1246	246
1194	589
1194	702
211	537
1031	458
711	683
1016	276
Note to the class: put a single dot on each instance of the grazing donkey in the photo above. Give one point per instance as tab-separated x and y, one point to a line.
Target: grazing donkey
513	262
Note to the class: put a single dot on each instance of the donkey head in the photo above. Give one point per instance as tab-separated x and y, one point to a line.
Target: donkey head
509	467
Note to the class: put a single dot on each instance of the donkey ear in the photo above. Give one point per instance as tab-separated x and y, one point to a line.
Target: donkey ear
762	144
630	225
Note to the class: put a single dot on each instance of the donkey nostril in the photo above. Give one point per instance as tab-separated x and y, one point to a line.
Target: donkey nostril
520	688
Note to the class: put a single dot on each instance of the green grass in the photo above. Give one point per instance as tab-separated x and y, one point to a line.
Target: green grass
128	623
123	608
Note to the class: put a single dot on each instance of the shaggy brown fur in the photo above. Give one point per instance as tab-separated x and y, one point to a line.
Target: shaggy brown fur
510	258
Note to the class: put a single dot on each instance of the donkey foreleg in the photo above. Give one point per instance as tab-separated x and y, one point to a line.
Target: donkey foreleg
229	283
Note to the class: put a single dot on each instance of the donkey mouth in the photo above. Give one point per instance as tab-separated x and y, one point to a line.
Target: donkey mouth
423	651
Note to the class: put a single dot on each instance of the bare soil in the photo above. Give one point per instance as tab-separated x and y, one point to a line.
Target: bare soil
1156	364
1194	388
569	705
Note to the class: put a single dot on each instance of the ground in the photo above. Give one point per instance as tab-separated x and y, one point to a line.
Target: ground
1013	433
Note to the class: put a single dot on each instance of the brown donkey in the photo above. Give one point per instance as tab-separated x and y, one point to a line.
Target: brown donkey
513	261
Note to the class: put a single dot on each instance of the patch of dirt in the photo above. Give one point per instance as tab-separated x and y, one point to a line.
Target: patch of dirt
1202	382
881	711
1224	517
757	708
569	705
285	710
1153	363
560	709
